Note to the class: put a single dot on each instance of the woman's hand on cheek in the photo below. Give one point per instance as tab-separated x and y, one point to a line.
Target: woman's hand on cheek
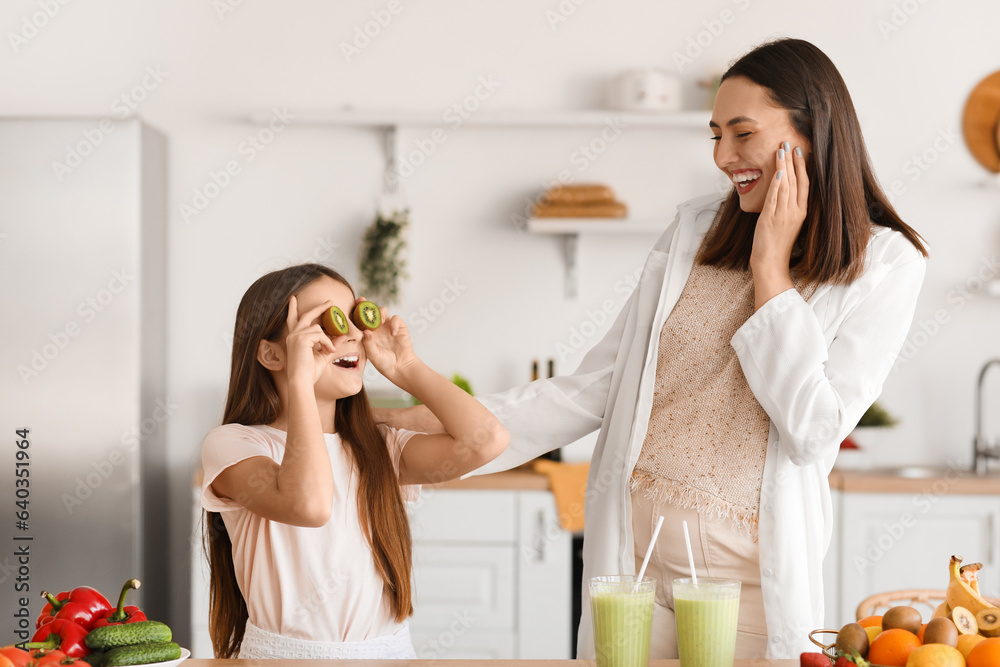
389	347
784	211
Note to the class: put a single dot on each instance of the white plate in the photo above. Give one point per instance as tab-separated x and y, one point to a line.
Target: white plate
185	654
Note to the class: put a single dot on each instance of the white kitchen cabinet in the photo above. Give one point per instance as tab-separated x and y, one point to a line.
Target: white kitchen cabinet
492	576
897	541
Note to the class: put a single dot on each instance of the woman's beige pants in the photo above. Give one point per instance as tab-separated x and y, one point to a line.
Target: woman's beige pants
719	551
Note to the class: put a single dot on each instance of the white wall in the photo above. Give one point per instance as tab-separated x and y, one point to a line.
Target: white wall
315	187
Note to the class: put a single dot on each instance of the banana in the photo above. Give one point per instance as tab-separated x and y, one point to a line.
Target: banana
960	592
942	611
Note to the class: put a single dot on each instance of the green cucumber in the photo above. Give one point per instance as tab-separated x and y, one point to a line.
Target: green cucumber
113	636
141	654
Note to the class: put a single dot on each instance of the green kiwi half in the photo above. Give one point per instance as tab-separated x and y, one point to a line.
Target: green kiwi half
366	315
334	322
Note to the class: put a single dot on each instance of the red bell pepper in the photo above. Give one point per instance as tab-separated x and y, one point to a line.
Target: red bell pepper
81	605
61	634
122	614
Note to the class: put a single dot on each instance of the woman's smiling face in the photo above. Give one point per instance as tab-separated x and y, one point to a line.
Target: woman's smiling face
748	131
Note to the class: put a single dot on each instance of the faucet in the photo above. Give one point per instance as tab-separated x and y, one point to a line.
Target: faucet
981	448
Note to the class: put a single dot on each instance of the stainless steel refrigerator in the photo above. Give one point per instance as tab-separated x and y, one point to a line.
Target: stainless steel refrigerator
83	404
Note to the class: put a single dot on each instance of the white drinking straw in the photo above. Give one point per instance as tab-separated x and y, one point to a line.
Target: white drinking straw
649	550
687	541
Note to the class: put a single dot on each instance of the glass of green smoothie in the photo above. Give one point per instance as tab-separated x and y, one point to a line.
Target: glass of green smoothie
622	608
706	615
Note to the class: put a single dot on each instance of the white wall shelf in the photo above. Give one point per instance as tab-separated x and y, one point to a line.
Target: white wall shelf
571	228
389	121
385	118
595	226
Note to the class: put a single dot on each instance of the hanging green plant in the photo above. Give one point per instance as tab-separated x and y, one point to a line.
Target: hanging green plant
380	261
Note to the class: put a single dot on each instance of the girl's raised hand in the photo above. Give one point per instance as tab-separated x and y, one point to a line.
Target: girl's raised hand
389	347
308	348
783	213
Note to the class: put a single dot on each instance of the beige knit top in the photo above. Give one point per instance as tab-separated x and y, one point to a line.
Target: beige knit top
707	435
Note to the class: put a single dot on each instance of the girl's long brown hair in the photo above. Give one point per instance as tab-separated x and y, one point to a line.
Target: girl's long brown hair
253	399
844	195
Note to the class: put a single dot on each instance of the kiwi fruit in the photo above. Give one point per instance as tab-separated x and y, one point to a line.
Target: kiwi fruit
334	322
367	315
965	621
989	622
941	631
852	637
904	617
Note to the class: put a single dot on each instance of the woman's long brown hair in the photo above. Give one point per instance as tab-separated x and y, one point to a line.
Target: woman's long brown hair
844	195
253	399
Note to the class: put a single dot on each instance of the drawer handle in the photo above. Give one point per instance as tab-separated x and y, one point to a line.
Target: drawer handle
540	541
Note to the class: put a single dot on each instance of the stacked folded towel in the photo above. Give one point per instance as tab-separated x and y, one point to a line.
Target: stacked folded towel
579	201
569	486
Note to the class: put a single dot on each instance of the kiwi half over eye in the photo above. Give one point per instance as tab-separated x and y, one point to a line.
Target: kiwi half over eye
366	315
334	322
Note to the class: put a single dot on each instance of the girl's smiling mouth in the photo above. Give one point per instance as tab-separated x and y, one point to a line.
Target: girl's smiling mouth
348	361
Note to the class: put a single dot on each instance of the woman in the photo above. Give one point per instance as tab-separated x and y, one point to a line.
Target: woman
763	327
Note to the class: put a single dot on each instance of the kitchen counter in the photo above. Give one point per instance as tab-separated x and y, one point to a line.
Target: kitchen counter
946	481
522	478
452	663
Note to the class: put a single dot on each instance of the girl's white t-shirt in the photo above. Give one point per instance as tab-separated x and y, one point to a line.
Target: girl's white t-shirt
318	583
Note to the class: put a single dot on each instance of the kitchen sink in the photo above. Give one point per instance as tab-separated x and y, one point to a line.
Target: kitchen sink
921	472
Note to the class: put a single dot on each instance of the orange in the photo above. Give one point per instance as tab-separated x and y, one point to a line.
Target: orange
873	632
985	654
967	642
935	655
871	621
5	661
920	635
892	648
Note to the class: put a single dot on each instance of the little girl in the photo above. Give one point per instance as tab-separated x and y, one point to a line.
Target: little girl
308	539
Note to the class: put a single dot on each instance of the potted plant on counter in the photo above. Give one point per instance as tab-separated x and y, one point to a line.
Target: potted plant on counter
868	434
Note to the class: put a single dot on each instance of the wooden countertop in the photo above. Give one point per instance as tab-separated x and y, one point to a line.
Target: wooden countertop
522	478
453	663
946	481
949	481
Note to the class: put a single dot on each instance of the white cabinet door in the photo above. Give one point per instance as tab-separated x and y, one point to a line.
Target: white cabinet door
904	541
457	645
460	516
468	585
544	580
492	575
